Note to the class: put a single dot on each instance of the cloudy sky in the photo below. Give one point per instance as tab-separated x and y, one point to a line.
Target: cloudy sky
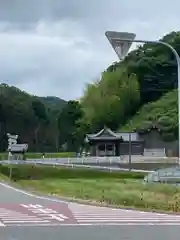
55	47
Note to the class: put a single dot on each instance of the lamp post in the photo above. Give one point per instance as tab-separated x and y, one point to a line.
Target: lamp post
122	41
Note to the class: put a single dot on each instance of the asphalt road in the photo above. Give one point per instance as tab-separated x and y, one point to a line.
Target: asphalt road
91	232
17	229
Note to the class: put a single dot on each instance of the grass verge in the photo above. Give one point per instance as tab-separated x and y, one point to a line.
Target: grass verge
117	192
148	166
39	155
117	189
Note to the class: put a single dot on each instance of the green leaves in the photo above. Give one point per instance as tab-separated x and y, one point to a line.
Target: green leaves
163	113
39	110
24	115
69	125
111	100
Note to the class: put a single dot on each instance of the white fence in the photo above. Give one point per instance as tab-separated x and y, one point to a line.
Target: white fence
109	160
71	165
154	152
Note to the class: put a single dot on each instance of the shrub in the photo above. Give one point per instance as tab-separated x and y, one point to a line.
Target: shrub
43	172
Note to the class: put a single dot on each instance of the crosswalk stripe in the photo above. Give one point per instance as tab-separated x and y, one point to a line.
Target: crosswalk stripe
17	215
27	221
125	218
2	225
11	217
91	214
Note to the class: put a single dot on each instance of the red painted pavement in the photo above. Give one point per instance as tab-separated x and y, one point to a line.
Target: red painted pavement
21	214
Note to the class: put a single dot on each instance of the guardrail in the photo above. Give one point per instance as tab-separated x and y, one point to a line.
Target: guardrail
110	160
71	165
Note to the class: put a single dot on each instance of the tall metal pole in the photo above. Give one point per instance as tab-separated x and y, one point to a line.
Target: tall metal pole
130	142
178	60
178	73
130	146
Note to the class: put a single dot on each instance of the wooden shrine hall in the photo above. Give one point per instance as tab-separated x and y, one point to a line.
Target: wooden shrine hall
109	143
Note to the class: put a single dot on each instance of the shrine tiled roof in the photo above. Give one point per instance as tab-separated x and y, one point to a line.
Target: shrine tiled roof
108	134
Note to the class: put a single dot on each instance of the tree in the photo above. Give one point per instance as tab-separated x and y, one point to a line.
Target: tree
155	67
19	115
41	116
67	124
39	110
111	100
3	119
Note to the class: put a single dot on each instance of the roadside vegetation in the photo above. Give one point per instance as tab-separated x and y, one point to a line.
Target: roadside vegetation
120	189
4	156
162	113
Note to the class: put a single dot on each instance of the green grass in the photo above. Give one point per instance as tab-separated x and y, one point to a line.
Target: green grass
2	177
121	189
39	155
39	172
113	191
150	166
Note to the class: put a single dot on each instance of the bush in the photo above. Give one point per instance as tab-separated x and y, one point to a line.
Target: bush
164	112
26	172
51	155
4	156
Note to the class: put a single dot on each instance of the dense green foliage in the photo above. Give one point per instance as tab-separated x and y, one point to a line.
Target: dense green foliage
163	113
155	67
36	155
111	100
68	125
132	86
42	172
33	118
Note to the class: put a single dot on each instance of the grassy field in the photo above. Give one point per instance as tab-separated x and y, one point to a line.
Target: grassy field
39	155
118	192
117	189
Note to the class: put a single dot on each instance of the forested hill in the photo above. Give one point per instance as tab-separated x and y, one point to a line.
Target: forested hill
134	93
125	88
139	91
55	104
33	118
162	113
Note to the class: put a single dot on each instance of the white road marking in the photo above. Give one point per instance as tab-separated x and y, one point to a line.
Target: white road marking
1	224
93	215
13	217
45	212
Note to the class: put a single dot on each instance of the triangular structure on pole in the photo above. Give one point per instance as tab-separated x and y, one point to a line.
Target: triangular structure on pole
121	42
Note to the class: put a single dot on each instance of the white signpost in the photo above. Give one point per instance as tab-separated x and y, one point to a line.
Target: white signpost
14	148
12	139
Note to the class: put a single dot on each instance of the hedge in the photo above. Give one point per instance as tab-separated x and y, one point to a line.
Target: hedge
26	172
4	156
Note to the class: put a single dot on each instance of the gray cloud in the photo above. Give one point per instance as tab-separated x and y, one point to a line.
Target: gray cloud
53	47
